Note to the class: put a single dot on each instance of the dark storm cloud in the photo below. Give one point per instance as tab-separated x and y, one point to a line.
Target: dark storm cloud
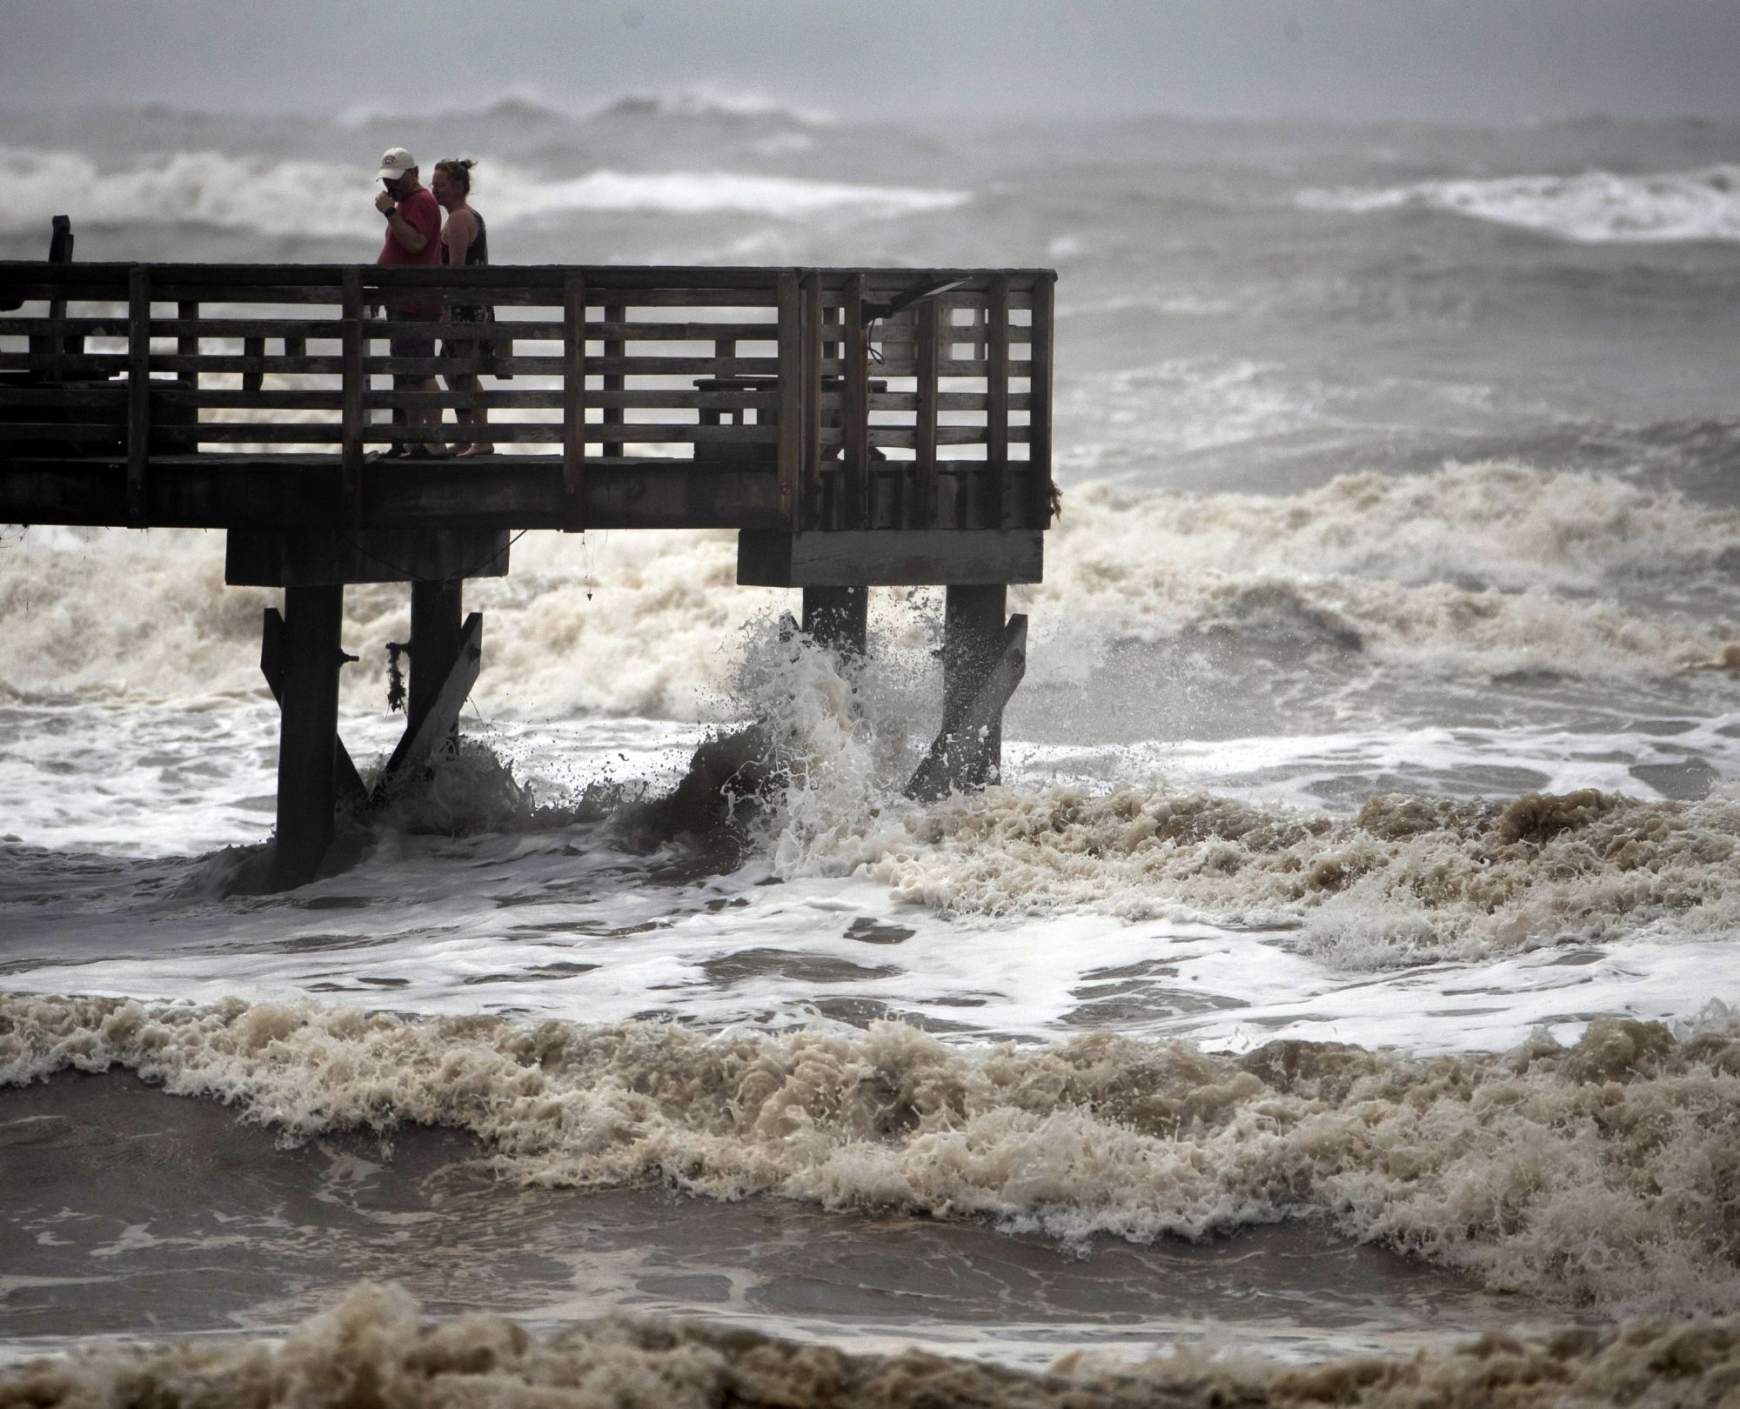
1457	60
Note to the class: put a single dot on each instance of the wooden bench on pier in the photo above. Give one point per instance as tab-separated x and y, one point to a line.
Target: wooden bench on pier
856	427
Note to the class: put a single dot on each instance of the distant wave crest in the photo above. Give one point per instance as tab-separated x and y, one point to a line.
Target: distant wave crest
1593	207
328	199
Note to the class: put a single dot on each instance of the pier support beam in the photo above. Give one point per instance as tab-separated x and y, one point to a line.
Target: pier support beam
838	618
307	732
984	658
436	617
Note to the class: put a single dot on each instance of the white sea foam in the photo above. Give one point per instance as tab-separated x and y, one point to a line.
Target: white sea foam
1474	571
373	1346
1592	207
1598	1173
330	199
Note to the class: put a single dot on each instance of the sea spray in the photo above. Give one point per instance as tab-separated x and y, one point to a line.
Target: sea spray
1601	1174
1467	573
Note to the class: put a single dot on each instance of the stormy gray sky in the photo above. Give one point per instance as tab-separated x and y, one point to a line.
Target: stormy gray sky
1483	61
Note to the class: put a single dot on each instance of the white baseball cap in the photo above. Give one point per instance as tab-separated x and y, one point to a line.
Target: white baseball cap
395	162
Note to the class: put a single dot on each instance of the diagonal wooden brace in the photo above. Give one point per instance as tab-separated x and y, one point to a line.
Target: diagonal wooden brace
416	746
965	753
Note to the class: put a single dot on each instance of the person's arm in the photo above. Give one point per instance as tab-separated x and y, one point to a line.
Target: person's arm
461	230
407	234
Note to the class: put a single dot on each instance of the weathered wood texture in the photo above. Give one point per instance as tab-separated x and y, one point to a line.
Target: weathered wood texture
984	659
773	368
347	783
307	732
441	716
889	557
324	557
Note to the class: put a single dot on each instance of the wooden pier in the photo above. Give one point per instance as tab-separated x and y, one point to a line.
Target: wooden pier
856	427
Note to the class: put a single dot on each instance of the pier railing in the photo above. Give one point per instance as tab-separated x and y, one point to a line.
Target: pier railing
833	399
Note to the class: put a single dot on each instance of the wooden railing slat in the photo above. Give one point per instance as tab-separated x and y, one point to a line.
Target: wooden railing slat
354	386
138	391
855	412
924	427
790	393
1039	428
574	399
810	402
613	380
997	400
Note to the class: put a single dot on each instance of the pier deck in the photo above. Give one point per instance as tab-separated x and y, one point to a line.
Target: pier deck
857	427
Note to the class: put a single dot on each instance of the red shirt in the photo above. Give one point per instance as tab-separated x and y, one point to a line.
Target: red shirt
423	215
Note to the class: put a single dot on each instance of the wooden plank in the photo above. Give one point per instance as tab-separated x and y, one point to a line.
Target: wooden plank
138	391
648	365
855	414
810	497
254	353
889	557
260	363
612	379
549	432
188	323
92	364
631	279
211	399
620	331
923	509
351	392
996	405
574	397
324	557
59	430
907	437
790	392
637	398
36	326
187	344
107	394
295	490
1039	414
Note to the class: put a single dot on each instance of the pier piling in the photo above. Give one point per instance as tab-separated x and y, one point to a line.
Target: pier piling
307	731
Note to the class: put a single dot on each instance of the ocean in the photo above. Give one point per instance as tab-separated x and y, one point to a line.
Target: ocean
1329	1005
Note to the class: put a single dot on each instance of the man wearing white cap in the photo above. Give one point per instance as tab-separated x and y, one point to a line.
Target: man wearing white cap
413	238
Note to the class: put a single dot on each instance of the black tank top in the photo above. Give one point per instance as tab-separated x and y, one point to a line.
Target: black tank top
477	252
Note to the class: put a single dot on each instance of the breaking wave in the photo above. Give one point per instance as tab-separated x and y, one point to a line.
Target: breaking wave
233	192
1474	571
1407	880
1601	1174
1593	207
372	1348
